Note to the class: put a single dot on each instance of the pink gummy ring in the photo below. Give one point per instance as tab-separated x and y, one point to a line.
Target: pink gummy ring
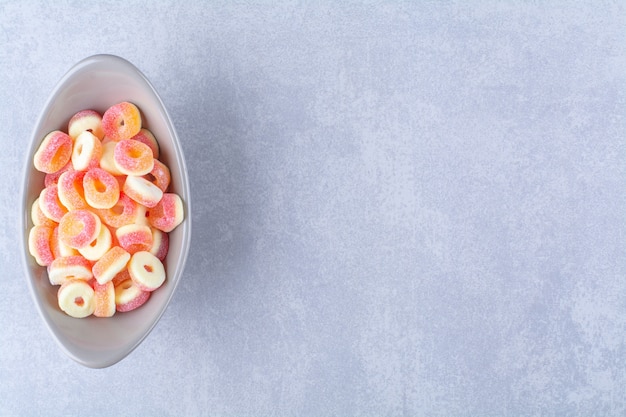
78	228
121	121
54	152
132	157
102	190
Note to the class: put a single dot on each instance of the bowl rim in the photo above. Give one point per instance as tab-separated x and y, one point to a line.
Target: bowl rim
96	60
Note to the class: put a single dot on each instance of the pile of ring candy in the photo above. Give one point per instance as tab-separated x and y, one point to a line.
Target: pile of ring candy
101	221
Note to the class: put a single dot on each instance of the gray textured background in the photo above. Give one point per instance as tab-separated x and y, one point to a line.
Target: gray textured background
399	208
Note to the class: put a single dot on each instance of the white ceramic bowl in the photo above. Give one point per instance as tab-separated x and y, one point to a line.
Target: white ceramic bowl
97	83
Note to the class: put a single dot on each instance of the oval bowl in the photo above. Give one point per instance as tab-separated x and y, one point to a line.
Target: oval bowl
97	82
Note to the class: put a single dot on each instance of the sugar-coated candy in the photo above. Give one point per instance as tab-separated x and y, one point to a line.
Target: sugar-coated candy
85	121
160	175
146	271
75	297
54	152
39	244
142	191
160	244
168	214
102	220
120	277
69	267
132	157
87	151
104	299
123	212
70	189
107	159
100	245
37	216
134	238
128	296
102	190
60	249
121	121
53	177
110	264
145	136
78	228
50	204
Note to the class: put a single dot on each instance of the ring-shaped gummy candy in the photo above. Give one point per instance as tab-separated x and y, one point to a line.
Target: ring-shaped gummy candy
54	152
102	190
78	228
132	157
76	298
121	121
71	193
87	151
50	204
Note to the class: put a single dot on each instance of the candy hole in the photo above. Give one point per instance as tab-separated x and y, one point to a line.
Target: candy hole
75	228
117	209
79	301
150	177
134	153
58	154
99	186
148	268
79	148
78	187
126	285
93	244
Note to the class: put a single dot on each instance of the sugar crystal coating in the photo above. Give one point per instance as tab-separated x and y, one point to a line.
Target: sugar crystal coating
145	136
60	249
110	264
78	228
128	296
104	299
134	238
100	245
71	191
132	157
38	217
50	204
168	214
69	267
54	152
121	121
85	121
123	212
39	244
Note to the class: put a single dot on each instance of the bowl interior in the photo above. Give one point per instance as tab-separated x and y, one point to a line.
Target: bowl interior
97	83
